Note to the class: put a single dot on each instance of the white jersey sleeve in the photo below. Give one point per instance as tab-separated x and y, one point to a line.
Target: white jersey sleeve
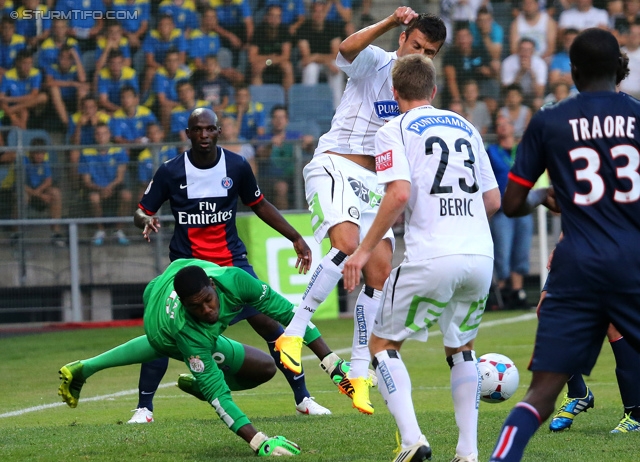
364	64
391	162
366	104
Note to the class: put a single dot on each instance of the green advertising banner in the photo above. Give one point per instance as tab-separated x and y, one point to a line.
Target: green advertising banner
273	258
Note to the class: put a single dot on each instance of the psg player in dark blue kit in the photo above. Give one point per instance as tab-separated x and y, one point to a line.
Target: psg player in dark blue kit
590	145
203	186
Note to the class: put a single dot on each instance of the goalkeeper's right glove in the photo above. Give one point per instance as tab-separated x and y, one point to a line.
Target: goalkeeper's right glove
273	446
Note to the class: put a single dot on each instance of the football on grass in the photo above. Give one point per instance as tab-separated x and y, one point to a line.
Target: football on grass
499	377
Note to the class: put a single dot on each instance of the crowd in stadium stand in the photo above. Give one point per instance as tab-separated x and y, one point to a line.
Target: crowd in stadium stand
139	76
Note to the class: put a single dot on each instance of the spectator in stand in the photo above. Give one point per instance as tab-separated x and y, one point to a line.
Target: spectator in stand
514	111
560	91
113	39
229	139
48	51
511	236
165	85
560	68
129	124
213	87
84	28
187	104
623	21
457	107
183	13
111	80
537	25
475	111
67	83
365	13
583	16
82	127
35	29
82	124
203	41
270	54
339	17
464	62
631	84
152	157
487	32
210	42
135	20
10	44
249	114
7	185
39	189
166	37
21	96
103	171
236	21
318	45
293	14
455	11
274	158
528	70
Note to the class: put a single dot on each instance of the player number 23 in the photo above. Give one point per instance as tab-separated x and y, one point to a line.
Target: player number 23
437	188
591	175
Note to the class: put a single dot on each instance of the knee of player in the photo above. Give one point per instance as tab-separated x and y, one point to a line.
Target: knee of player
266	369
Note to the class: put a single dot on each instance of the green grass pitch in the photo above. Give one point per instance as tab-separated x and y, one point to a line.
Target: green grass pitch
189	430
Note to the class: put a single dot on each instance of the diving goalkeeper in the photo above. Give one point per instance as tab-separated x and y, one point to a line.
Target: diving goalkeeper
186	310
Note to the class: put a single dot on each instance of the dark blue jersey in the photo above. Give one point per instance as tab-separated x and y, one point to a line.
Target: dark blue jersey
590	145
204	203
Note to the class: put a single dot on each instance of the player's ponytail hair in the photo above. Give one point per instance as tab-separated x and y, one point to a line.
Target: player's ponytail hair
623	68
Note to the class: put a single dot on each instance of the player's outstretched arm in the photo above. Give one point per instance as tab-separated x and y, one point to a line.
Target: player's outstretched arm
272	216
358	41
271	446
146	223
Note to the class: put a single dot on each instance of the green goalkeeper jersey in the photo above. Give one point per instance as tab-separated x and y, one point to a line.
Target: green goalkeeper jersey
172	331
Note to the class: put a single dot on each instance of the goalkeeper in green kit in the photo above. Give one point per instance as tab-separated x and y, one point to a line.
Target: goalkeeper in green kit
186	310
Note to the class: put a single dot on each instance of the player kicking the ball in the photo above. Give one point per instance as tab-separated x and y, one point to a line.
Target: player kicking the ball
342	189
435	168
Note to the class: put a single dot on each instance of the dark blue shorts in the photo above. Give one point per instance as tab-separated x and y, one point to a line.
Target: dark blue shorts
247	311
571	329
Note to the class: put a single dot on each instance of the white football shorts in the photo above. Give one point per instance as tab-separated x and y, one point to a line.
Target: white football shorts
451	290
339	190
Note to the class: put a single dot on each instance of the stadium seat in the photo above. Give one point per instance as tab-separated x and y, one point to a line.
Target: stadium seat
305	127
269	94
311	103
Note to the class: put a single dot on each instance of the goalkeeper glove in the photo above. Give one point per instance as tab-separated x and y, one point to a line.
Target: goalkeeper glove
274	446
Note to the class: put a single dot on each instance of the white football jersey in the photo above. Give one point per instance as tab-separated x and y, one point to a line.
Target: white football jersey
366	104
442	155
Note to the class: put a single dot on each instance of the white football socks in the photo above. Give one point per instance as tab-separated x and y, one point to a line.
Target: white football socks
364	315
465	390
323	281
395	385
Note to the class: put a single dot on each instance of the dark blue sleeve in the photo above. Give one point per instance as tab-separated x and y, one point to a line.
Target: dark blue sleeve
530	157
248	190
158	192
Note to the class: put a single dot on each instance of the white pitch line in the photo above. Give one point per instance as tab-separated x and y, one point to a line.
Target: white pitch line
498	322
